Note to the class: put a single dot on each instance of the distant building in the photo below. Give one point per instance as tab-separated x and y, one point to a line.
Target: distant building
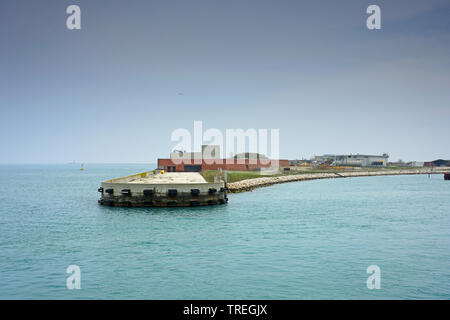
250	155
437	163
211	151
299	162
209	159
208	152
355	160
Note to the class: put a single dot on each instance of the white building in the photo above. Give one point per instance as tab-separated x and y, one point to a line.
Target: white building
208	152
355	160
417	164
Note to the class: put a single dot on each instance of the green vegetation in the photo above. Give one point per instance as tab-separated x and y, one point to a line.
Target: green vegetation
233	176
401	168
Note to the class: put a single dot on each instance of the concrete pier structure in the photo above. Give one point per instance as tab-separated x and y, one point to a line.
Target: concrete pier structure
159	189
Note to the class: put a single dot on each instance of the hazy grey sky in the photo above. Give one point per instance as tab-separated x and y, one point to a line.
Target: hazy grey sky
110	92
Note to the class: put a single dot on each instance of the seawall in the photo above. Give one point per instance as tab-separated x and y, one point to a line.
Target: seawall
250	184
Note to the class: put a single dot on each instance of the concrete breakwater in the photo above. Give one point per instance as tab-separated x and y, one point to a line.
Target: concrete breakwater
159	189
250	184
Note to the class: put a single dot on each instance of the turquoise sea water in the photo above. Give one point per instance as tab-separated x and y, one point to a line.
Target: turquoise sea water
302	240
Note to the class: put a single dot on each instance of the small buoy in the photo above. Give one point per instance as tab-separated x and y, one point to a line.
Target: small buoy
162	171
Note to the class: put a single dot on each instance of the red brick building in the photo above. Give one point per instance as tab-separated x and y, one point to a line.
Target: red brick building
188	165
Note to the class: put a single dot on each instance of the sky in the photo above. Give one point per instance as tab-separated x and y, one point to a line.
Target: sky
114	91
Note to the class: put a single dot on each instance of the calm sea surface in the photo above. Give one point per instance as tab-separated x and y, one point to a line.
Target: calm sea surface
300	240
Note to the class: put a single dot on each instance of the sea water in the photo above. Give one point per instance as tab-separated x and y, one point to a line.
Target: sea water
300	240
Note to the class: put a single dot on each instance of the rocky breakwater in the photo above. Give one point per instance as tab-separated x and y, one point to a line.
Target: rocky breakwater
250	184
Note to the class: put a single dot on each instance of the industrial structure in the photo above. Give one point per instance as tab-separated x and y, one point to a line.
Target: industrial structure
354	160
209	159
437	163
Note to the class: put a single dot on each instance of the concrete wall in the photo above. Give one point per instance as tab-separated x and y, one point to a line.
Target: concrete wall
137	188
160	196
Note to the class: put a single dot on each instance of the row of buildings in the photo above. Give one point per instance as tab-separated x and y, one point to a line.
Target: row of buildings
354	160
209	159
364	160
437	163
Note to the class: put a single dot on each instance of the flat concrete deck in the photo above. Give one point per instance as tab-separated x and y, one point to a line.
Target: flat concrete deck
170	177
